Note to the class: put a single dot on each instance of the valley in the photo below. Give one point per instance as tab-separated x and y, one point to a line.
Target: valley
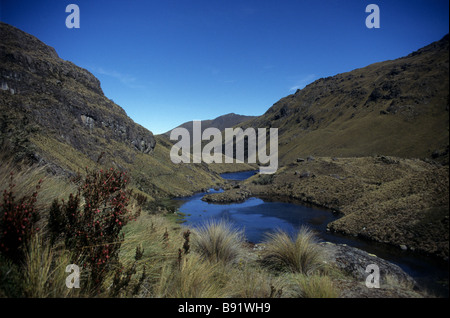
371	145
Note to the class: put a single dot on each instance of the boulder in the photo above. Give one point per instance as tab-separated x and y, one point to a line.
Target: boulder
354	262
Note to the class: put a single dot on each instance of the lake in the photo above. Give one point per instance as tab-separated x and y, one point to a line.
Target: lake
239	176
257	216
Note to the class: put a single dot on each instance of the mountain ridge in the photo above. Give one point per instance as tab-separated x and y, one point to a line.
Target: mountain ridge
224	121
54	113
396	107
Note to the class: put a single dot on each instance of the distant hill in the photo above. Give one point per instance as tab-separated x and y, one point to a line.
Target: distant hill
221	122
54	113
398	107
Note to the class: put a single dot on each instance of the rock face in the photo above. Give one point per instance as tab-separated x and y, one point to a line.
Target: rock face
354	262
44	97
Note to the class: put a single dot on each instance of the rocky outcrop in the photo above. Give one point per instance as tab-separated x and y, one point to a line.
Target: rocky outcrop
354	262
358	265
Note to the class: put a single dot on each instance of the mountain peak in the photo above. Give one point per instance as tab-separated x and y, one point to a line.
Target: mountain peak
224	121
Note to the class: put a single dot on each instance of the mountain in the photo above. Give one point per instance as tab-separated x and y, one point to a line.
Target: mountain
54	113
397	107
221	122
353	143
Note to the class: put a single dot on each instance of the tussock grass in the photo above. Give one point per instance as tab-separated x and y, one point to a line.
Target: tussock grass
44	271
158	239
301	254
218	241
314	286
193	277
25	179
254	282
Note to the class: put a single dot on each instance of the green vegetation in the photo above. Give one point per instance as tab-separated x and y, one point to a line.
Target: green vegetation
315	286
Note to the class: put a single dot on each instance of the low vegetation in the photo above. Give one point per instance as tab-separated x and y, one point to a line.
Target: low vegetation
123	249
380	198
299	254
218	241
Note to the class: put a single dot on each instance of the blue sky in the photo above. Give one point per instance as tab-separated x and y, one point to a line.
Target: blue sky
168	62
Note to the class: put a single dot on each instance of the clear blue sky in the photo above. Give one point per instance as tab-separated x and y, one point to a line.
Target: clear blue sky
167	62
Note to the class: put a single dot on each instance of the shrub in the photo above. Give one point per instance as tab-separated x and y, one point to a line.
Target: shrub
301	254
91	221
218	241
56	222
17	221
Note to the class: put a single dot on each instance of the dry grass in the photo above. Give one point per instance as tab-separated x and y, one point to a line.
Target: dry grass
25	179
254	282
192	278
44	271
300	254
218	241
314	286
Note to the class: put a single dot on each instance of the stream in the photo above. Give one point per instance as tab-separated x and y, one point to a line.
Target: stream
257	216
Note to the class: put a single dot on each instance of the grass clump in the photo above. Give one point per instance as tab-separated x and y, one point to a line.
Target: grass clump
301	254
44	270
218	241
253	282
191	277
314	286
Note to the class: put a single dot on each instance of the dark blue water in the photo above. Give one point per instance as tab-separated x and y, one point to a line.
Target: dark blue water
257	216
239	176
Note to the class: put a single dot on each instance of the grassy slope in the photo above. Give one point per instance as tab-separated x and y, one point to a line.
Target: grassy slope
397	108
154	174
44	119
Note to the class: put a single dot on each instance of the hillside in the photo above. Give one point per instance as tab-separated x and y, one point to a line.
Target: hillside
54	113
397	108
221	122
371	145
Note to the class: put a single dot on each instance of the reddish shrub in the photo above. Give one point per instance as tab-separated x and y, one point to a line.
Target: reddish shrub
92	226
17	221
